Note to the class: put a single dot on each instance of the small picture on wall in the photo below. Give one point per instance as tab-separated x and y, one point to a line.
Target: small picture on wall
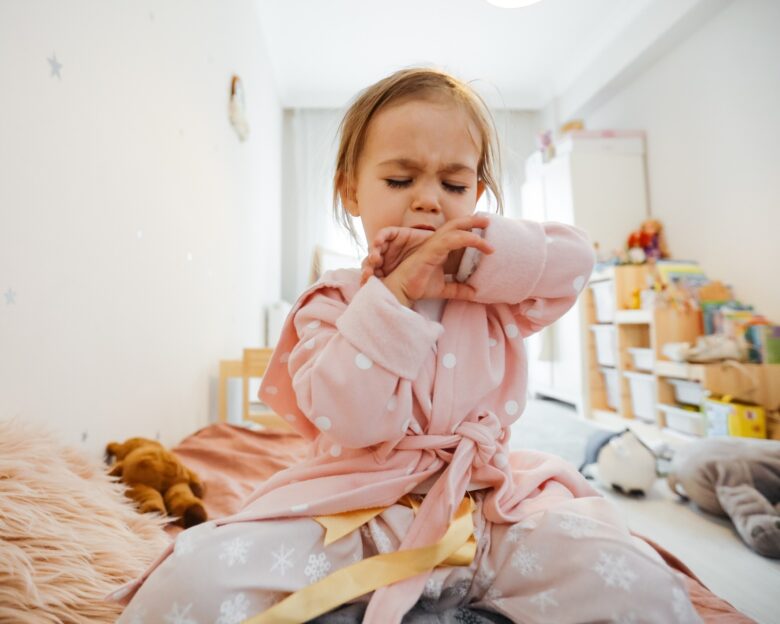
238	109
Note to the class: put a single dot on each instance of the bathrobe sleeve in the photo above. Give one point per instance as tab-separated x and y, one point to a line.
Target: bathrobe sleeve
537	268
348	359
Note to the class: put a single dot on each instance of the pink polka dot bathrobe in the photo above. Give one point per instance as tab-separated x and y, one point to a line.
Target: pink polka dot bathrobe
401	403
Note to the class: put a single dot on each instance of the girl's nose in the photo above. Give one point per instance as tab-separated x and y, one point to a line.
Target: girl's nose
426	202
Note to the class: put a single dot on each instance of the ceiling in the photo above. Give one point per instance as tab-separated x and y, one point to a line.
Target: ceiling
324	51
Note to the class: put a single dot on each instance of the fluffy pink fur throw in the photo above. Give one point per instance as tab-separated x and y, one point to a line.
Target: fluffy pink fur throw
68	536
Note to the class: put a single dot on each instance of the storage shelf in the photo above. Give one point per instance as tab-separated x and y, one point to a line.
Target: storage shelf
634	317
680	370
642	329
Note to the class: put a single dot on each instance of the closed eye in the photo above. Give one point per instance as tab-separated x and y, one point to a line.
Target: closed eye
453	188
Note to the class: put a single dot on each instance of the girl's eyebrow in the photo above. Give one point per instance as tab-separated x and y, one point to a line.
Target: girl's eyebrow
408	163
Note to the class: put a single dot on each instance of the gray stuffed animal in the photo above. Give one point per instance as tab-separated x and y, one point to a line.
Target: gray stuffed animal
738	478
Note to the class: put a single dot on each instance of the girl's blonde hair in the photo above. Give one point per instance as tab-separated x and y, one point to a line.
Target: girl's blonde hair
404	85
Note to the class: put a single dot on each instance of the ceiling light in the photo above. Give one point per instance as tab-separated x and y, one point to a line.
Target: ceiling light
512	4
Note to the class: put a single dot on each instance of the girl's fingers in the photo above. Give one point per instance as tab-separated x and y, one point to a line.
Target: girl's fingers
458	239
468	223
455	290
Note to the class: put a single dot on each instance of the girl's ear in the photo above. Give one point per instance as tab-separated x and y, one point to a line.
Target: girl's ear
480	189
348	197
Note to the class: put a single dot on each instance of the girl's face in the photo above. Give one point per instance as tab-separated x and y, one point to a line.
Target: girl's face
418	168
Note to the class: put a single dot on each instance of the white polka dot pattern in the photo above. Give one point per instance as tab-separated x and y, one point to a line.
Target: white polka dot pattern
363	362
578	283
272	390
500	460
309	344
335	450
299	508
323	423
449	360
511	407
511	331
392	403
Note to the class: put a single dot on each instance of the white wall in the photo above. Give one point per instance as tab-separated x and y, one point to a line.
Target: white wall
139	238
711	111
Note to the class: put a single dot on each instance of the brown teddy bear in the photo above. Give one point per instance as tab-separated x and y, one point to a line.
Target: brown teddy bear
157	480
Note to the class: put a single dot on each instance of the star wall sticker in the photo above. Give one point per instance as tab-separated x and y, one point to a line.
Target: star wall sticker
10	297
55	66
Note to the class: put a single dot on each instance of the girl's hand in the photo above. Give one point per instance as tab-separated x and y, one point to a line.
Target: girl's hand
420	272
391	246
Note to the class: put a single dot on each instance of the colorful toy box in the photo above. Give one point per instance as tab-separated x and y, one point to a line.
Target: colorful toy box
727	417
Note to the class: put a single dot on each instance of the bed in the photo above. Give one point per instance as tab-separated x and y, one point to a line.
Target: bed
100	541
232	460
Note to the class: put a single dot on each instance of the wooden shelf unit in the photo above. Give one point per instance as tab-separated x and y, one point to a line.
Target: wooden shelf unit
755	383
634	328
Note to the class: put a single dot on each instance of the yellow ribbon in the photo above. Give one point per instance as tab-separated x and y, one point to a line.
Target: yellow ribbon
374	572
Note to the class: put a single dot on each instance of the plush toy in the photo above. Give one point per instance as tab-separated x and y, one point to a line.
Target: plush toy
157	480
738	478
625	463
647	243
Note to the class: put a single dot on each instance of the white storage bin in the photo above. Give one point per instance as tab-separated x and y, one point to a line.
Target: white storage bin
644	359
689	392
642	395
606	344
611	382
604	300
684	420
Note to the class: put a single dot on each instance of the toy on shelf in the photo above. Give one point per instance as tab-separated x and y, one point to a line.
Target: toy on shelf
647	244
157	481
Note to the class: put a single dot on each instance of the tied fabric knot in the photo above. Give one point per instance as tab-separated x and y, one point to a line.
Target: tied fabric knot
485	433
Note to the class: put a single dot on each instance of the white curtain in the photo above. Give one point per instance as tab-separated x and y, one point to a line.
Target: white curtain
310	146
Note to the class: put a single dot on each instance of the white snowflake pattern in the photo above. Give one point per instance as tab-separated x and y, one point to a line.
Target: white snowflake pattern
544	599
577	526
681	605
433	587
282	560
614	571
496	596
518	531
526	561
180	615
233	610
235	551
185	544
625	618
137	615
461	589
382	541
317	567
484	578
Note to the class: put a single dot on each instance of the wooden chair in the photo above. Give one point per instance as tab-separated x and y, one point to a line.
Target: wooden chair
252	366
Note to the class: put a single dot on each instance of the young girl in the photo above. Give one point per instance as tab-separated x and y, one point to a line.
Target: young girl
406	379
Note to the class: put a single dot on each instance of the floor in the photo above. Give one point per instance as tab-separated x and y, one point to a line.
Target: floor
706	544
